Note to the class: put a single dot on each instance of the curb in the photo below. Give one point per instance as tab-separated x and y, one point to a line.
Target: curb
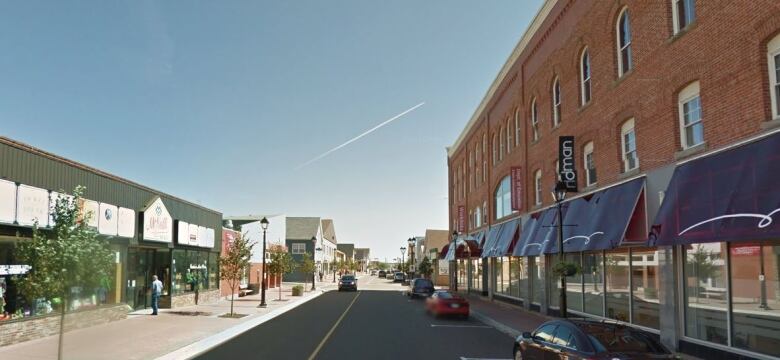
200	347
497	325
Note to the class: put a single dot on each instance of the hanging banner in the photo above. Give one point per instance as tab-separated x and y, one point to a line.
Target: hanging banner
126	223
566	167
7	201
33	205
461	219
108	222
516	174
158	224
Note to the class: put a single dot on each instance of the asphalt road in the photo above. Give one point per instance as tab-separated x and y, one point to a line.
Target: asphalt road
377	322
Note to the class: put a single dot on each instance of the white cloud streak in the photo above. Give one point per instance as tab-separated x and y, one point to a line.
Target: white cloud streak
319	157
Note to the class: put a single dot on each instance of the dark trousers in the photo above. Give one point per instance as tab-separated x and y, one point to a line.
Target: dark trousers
155	303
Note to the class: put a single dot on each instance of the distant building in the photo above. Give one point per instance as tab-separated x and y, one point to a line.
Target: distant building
363	257
348	250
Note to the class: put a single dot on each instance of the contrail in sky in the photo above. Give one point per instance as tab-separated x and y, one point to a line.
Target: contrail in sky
359	136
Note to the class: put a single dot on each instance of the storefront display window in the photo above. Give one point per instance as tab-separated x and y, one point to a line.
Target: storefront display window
574	285
213	279
644	287
519	273
476	275
537	276
617	297
462	274
593	281
756	296
180	267
706	292
553	283
502	275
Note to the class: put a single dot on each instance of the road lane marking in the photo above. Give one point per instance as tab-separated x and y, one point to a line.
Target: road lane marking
332	329
462	326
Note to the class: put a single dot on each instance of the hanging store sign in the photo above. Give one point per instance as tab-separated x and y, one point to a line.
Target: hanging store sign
444	267
125	222
461	219
745	250
33	205
193	235
566	167
158	224
108	219
517	188
7	201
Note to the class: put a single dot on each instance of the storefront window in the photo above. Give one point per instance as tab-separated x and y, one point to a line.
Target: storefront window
645	284
593	281
706	292
213	271
476	275
617	285
180	267
574	285
553	283
537	280
502	275
519	275
462	274
755	296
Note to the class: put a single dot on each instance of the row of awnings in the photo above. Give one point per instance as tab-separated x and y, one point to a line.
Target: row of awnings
732	195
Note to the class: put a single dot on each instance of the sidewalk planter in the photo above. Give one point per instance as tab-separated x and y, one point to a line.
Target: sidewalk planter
297	290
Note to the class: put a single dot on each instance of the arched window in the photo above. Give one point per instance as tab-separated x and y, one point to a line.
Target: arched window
477	166
503	198
628	143
585	77
517	127
534	120
623	32
556	102
471	171
484	157
689	108
773	57
478	217
538	187
508	136
590	164
501	139
495	150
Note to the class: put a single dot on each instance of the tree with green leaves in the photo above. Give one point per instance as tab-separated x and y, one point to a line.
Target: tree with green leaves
307	266
68	257
234	263
281	263
426	268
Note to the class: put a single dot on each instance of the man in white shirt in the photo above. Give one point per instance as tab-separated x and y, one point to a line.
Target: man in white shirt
157	287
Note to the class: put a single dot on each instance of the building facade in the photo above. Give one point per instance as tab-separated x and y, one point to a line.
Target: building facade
363	258
673	111
151	233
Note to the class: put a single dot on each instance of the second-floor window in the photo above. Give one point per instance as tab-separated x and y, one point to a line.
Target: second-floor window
517	126
538	187
773	59
495	150
624	43
556	102
477	217
508	136
501	138
628	142
590	164
503	198
585	77
298	248
683	14
691	126
534	120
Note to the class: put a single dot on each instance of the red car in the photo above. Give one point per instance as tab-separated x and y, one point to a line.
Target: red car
444	303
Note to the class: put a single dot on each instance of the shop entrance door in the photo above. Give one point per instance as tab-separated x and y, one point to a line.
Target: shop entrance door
141	265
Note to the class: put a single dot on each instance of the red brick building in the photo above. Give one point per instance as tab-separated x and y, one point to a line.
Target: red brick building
644	87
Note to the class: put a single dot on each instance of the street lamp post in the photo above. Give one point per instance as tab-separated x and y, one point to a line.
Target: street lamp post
559	194
454	269
264	225
403	258
412	241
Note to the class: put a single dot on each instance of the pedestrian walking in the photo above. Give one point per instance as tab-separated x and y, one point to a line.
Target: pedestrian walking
157	287
320	276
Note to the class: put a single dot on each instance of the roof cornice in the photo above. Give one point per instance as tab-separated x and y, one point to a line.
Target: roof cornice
533	27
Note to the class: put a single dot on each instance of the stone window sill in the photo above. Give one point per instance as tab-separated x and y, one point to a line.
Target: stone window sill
771	124
682	154
628	174
589	188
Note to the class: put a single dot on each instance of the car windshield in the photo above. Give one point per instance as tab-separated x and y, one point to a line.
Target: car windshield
347	278
444	295
423	283
617	340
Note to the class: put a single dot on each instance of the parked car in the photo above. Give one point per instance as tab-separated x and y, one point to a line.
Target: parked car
420	287
348	282
589	339
399	277
373	272
390	275
445	303
382	274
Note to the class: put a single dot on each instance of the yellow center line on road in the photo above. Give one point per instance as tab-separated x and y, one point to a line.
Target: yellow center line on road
330	332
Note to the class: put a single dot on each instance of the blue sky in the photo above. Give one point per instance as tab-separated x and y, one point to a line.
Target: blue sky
218	102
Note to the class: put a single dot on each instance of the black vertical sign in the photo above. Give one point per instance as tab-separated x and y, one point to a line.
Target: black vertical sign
566	167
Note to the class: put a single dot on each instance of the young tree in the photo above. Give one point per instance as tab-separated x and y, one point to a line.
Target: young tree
426	269
307	266
68	256
281	263
234	263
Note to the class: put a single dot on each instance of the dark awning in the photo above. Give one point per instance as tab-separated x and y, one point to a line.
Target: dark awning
599	221
537	233
506	238
444	251
479	237
466	247
491	238
730	196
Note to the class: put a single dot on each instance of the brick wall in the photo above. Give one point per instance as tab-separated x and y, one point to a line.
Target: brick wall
16	331
188	299
724	49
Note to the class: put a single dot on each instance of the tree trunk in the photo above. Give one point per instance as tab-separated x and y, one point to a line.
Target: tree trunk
280	287
232	294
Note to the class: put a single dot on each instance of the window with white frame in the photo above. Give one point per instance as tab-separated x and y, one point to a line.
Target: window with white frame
478	217
773	57
534	120
484	212
463	179
503	198
501	138
517	126
484	157
476	169
628	143
556	102
495	150
508	136
471	171
691	126
683	14
538	187
298	248
585	77
590	165
623	32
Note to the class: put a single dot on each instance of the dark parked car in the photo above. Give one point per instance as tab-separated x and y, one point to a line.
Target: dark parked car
443	303
399	277
588	339
348	282
420	287
382	274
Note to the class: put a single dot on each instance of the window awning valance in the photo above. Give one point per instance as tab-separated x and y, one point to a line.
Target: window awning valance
507	234
733	195
491	238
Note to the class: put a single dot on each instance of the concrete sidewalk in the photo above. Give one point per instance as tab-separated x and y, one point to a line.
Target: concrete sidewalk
510	319
142	336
